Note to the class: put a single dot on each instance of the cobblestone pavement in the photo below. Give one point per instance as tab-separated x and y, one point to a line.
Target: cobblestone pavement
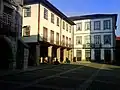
89	76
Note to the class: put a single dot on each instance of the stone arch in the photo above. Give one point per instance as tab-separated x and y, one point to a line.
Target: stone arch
6	52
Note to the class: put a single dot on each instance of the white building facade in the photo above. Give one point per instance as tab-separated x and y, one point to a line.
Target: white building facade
47	31
94	37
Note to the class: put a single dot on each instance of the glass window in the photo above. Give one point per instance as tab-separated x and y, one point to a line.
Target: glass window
78	40
63	25
78	26
69	29
107	24
66	27
107	39
45	33
27	12
79	55
45	14
58	22
87	26
52	18
87	39
97	25
26	31
97	39
87	55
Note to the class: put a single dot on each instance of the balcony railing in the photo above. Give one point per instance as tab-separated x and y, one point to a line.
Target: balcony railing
87	45
63	43
45	39
52	41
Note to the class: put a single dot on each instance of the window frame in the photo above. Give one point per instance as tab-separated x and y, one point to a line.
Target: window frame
25	30
25	11
97	25
58	21
86	29
96	40
107	24
79	25
52	18
109	38
45	13
77	39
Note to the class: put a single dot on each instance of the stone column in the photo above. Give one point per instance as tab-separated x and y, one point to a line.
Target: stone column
50	54
70	55
92	55
58	54
37	54
64	55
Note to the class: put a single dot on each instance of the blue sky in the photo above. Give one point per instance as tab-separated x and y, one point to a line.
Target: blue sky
82	7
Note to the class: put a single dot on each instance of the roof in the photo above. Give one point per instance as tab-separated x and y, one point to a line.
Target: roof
117	38
51	7
93	16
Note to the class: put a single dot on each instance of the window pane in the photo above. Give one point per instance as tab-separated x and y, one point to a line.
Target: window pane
63	25
57	21
97	25
87	26
107	39
107	24
27	12
97	39
52	17
45	13
26	31
79	26
78	40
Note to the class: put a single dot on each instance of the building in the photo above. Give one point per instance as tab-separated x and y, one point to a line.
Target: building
10	32
117	51
47	31
94	37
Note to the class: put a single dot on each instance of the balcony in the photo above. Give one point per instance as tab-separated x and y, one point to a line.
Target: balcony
45	39
8	25
86	45
96	45
52	41
63	43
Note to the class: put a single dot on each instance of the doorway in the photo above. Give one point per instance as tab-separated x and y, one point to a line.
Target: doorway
107	56
97	55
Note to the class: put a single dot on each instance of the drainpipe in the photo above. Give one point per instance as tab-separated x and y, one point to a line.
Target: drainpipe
38	22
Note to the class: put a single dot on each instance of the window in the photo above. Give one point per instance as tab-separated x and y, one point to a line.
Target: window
79	55
57	38
63	40
87	39
52	18
107	39
87	55
27	12
97	39
45	33
97	25
52	36
26	31
58	22
63	25
69	29
78	26
66	41
87	26
107	24
45	14
69	40
78	40
66	27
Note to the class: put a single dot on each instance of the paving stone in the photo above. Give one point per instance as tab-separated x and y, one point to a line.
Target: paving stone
62	82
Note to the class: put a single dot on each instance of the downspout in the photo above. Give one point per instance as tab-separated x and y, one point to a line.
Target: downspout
60	30
38	22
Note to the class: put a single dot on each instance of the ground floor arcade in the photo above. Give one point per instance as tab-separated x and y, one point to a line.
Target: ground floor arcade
47	53
105	54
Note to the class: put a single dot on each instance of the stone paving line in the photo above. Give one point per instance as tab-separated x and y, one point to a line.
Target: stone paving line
87	83
26	70
48	77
